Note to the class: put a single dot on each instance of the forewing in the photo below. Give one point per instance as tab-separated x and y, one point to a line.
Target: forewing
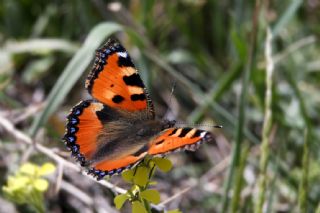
115	81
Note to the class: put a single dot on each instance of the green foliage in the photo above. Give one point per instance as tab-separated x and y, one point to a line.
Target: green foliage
139	195
120	200
174	211
137	207
151	195
163	164
27	186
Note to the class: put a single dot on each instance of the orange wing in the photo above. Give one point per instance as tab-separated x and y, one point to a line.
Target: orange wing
176	139
118	165
115	81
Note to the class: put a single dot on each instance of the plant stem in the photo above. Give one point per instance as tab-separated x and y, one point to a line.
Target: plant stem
243	101
303	188
266	125
239	181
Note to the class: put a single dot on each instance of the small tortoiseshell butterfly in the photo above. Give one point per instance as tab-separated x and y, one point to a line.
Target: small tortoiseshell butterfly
117	128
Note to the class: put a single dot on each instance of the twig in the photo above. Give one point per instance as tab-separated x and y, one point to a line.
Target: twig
76	192
8	126
177	195
28	112
294	47
59	178
26	154
73	190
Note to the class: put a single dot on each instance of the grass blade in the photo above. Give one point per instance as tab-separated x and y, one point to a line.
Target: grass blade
236	152
236	198
287	16
266	125
222	86
303	187
42	45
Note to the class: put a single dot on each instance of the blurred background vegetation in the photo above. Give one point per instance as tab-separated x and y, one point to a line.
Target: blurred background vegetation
267	156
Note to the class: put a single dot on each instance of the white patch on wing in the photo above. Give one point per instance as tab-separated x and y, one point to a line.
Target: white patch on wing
203	134
122	54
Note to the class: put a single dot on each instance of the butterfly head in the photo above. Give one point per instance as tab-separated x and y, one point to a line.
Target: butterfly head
152	127
166	124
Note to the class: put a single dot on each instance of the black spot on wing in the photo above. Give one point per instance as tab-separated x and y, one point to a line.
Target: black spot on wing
140	151
138	97
159	142
125	62
102	116
107	114
173	132
117	99
197	133
133	80
184	132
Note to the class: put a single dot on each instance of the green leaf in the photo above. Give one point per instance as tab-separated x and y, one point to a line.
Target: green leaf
41	184
151	195
137	207
73	71
36	69
174	211
127	176
239	44
28	169
119	200
153	183
46	169
163	163
142	176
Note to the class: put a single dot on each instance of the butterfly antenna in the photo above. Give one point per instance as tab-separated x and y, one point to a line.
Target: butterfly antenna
174	84
170	112
200	125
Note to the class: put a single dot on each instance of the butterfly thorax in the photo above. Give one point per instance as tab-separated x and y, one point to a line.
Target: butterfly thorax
151	128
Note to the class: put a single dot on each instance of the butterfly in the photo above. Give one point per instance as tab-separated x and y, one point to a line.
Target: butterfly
117	128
